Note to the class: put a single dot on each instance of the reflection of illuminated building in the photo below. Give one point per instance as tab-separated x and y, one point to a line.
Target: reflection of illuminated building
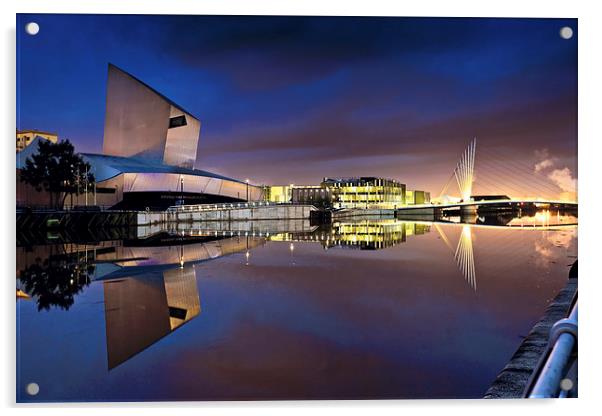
369	235
363	235
415	228
139	311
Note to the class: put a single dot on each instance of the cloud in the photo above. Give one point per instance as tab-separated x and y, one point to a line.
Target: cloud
563	178
545	161
544	164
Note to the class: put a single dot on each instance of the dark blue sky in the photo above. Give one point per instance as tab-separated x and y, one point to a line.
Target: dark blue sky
292	99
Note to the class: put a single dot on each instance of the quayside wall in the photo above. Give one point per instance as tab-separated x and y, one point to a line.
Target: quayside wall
288	212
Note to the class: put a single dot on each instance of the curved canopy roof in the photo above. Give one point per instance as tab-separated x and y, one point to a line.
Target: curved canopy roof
106	166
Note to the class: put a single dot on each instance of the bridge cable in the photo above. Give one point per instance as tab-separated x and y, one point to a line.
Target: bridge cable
526	169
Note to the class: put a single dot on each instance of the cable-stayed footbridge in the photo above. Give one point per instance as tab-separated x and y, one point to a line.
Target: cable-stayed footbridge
498	177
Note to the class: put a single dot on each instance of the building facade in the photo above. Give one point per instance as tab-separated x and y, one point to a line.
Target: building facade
149	150
366	192
280	194
142	123
26	137
414	197
318	196
361	192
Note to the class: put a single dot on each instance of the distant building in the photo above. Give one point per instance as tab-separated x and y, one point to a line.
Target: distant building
25	137
361	192
317	195
279	193
414	197
365	192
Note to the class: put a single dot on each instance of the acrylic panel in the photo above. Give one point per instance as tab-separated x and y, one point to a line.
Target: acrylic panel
295	207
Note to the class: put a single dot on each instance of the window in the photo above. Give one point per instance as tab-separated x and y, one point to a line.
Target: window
178	121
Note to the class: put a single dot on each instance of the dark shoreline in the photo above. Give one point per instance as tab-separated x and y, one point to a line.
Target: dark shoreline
514	378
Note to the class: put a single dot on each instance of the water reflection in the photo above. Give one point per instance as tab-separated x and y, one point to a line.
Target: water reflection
53	274
54	278
151	284
141	310
374	234
153	290
463	254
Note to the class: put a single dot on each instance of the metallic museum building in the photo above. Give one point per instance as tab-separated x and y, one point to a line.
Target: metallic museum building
149	149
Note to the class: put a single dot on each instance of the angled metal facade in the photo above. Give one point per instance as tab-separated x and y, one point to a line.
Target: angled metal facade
139	123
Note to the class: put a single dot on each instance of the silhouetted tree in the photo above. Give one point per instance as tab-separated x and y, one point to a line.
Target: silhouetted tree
57	169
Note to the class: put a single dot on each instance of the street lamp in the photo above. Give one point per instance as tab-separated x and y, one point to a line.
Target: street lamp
86	186
71	190
181	190
247	182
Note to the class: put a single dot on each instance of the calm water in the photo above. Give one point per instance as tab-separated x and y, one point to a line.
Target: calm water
371	309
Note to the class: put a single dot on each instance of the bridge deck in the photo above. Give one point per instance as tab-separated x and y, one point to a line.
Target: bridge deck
492	202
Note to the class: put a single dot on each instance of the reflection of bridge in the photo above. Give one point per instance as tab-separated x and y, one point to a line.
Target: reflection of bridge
150	287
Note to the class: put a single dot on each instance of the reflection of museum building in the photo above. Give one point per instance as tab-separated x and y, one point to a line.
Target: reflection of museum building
141	310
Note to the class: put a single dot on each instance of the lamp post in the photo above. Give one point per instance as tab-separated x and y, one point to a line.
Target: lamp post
78	179
86	186
247	182
181	190
71	193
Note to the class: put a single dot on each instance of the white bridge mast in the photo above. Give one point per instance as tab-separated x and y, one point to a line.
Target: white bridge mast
464	170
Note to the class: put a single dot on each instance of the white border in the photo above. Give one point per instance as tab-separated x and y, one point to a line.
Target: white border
590	91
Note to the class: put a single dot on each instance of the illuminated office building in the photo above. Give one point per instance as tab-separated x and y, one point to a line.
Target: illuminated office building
365	192
361	192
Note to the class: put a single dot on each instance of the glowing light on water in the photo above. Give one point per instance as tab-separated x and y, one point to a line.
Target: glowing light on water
465	256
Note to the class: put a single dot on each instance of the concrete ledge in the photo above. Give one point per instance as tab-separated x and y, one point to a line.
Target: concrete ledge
512	381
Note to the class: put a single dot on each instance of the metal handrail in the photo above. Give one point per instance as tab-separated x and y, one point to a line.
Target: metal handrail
563	340
223	206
